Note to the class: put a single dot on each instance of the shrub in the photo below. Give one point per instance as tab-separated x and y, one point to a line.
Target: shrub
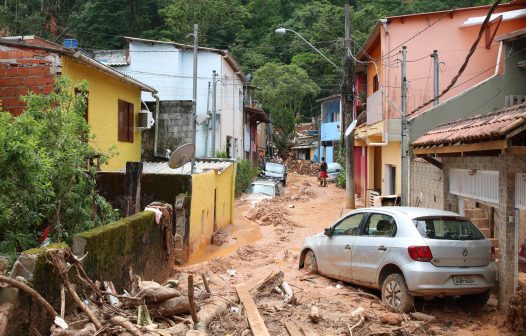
341	180
221	155
45	181
246	172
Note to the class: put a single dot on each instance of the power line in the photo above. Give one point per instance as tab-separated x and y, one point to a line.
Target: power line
466	61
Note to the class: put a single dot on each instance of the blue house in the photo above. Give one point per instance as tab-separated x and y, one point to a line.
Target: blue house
330	127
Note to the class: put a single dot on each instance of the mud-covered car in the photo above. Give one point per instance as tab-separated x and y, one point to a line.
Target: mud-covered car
405	252
262	189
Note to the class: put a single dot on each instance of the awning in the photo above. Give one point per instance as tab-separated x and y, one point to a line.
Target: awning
481	133
257	114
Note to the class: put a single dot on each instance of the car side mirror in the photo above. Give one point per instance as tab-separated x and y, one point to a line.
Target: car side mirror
328	232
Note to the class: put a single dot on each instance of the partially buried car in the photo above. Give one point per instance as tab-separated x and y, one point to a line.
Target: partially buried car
333	170
405	252
276	171
262	189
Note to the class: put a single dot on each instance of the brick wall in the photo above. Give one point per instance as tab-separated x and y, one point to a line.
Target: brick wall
174	128
23	70
427	185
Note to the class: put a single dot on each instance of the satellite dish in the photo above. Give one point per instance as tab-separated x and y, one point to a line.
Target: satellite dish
181	155
201	118
351	127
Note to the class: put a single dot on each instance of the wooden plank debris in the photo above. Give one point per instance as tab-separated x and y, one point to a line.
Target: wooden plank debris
257	325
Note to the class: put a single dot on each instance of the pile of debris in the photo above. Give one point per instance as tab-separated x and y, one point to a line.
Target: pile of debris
305	192
149	308
302	167
270	212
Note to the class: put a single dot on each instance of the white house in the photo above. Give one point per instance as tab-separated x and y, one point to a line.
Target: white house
168	66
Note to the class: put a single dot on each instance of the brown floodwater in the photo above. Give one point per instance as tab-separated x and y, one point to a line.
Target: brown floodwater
242	232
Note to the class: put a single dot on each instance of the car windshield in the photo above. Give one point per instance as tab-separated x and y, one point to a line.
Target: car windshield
275	167
449	228
261	189
334	168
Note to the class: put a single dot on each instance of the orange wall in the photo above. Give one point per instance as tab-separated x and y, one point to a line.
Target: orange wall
451	41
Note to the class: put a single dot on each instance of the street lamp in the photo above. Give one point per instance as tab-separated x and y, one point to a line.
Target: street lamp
283	31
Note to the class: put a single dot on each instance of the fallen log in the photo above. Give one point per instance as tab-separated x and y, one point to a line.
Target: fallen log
124	323
88	330
174	306
159	294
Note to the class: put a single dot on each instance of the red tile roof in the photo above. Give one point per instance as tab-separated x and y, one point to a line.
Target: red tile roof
478	128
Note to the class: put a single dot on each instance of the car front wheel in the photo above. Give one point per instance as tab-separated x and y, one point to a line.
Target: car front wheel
309	263
395	293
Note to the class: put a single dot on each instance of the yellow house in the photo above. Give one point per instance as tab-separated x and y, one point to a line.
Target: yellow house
114	101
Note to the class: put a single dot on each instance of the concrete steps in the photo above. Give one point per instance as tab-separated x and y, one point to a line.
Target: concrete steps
481	220
474	213
481	223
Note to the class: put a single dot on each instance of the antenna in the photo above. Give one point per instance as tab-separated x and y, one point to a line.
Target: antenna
181	155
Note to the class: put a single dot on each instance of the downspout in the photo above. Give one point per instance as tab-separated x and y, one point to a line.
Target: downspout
207	120
156	136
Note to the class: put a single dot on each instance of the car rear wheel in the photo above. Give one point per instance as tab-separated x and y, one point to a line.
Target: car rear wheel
309	263
476	299
395	293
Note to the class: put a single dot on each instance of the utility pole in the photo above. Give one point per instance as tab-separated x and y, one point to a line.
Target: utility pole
194	98
435	77
214	109
405	184
347	97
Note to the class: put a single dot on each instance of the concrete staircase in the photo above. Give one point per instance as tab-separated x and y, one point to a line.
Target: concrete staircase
479	217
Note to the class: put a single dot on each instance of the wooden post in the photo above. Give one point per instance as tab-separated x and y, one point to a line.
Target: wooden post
132	188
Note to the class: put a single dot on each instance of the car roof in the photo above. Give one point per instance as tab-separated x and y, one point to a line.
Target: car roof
414	212
266	182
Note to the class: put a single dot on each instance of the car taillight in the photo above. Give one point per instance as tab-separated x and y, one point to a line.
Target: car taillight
493	254
420	253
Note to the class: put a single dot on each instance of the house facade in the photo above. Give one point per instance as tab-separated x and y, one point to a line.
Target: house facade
451	33
31	64
168	66
470	153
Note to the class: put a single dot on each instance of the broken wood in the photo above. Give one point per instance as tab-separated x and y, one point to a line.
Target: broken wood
159	294
6	309
293	329
31	292
257	325
132	188
124	323
168	308
191	301
207	287
88	330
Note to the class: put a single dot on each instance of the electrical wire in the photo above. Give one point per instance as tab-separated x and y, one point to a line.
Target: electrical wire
466	61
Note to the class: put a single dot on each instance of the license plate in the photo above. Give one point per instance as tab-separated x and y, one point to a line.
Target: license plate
463	280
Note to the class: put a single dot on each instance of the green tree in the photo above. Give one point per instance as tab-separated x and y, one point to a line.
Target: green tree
219	21
44	176
283	90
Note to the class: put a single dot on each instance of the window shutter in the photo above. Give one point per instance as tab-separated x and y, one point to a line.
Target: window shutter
126	121
122	121
130	122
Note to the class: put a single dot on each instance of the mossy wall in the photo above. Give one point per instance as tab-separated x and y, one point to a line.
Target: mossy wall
154	187
134	243
28	315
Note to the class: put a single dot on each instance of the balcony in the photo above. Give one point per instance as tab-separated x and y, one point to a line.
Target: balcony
374	108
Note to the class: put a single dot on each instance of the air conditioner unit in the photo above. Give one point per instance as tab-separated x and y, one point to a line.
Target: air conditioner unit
145	120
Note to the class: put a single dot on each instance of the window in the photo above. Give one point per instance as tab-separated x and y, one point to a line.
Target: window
349	226
86	95
380	225
126	124
447	228
376	84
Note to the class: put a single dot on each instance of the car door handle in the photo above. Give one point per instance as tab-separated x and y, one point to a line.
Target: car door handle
382	248
347	247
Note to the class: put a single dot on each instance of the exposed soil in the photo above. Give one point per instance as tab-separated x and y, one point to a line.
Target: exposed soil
257	250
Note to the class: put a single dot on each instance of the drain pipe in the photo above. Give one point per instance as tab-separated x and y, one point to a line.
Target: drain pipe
156	136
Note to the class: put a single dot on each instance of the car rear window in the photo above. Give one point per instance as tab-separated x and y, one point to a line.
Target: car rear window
449	228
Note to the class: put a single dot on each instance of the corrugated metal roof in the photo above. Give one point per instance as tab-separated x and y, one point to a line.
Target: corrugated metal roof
478	128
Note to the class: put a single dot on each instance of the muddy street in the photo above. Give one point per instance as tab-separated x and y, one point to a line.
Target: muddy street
249	251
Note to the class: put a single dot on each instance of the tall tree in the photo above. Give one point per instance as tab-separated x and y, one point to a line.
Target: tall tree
283	90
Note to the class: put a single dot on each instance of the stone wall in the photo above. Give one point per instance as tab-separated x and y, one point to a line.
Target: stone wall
174	128
135	244
427	185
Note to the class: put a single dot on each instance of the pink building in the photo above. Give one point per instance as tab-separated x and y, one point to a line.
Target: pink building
451	33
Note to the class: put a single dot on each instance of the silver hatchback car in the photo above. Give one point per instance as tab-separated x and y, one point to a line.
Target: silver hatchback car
405	252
